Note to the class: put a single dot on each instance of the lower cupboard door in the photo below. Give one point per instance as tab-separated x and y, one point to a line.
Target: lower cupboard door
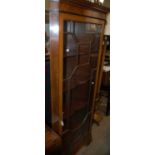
73	140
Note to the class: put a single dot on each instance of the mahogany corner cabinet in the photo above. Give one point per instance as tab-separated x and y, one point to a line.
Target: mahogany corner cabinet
76	38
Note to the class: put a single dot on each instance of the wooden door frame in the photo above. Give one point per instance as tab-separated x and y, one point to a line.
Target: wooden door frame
59	101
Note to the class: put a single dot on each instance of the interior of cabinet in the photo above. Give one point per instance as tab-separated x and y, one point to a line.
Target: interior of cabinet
80	56
47	73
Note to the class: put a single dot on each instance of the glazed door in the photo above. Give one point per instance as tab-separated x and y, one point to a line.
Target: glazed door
81	44
80	56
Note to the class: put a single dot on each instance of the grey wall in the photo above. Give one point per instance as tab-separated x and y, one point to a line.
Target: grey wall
107	3
46	4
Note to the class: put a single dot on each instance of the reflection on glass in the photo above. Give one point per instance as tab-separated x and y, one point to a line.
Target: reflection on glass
81	47
54	29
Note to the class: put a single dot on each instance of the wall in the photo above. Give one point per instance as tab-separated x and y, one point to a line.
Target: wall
107	26
106	3
46	4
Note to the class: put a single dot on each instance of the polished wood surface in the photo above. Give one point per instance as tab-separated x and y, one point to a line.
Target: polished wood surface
56	69
101	67
97	74
74	8
86	4
52	142
76	36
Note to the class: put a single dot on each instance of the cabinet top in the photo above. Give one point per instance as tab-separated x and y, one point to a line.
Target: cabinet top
79	7
85	3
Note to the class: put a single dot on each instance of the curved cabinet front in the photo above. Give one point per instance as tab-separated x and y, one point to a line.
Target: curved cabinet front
80	58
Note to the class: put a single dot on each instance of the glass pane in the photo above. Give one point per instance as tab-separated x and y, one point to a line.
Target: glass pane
81	47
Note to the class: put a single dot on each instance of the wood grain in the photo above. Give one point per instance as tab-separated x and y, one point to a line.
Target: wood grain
78	131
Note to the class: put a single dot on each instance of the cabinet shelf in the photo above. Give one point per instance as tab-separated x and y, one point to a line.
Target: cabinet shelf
97	33
75	84
80	105
92	54
75	55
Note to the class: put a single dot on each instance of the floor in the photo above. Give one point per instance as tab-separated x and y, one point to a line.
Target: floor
101	139
100	144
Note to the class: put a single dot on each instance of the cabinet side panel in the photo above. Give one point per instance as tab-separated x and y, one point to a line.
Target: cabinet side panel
97	72
55	65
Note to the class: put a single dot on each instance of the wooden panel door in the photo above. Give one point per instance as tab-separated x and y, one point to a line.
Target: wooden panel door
80	48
